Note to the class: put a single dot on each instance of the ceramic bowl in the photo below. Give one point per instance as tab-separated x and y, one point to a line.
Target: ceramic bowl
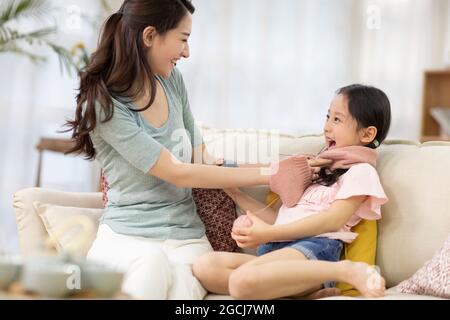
50	279
10	269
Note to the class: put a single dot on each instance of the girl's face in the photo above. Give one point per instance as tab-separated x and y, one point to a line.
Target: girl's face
165	50
341	129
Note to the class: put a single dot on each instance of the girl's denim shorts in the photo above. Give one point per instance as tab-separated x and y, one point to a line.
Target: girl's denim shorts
314	248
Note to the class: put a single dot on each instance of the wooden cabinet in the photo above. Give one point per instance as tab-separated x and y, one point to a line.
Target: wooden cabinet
436	93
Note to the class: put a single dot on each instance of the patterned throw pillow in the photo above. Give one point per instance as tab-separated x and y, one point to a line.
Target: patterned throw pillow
104	187
433	278
216	210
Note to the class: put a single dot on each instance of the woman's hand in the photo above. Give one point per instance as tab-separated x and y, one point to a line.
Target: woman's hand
250	237
316	165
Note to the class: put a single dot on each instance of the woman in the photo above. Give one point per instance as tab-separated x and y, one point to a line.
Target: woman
133	116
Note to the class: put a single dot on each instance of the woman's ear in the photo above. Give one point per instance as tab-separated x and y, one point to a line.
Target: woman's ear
368	134
148	35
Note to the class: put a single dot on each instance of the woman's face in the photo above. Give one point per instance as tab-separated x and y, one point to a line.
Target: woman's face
165	50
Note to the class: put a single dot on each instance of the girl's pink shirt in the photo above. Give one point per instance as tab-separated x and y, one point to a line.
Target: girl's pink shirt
360	179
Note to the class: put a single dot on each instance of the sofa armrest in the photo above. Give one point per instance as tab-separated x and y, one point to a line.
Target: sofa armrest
32	233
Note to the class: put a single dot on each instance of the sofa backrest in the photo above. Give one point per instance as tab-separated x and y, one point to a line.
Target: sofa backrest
416	179
31	230
416	220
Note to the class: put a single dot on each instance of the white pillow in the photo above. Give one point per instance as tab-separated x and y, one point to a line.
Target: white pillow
71	229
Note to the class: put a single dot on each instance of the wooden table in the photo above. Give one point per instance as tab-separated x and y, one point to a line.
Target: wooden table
17	292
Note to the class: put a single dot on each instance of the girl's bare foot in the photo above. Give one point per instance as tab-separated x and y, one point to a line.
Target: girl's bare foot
363	277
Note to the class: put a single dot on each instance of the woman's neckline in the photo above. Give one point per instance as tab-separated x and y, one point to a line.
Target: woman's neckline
169	109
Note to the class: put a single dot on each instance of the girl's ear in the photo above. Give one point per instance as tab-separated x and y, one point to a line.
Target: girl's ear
368	134
148	35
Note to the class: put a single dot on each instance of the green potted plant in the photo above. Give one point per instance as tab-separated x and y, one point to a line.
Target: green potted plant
14	40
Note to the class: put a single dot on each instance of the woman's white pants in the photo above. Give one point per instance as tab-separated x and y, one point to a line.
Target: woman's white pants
154	269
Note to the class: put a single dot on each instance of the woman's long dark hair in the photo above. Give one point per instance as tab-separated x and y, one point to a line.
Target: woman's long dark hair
119	66
369	106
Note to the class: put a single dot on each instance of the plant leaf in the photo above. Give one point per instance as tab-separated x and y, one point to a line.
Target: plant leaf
7	35
16	9
65	58
11	38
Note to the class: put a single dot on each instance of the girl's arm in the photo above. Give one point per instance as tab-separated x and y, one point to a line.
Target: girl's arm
246	202
327	221
187	175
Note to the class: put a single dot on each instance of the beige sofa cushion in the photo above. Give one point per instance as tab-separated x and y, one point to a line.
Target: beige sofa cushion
390	294
416	220
71	229
32	233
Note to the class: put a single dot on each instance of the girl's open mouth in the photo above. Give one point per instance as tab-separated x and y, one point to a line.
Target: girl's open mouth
331	144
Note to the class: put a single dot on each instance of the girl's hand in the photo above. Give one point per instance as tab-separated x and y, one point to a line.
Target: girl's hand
250	237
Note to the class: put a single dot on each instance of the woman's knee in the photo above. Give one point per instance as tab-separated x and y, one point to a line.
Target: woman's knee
185	286
149	276
242	283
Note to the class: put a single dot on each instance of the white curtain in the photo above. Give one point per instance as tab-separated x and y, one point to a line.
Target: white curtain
254	64
276	64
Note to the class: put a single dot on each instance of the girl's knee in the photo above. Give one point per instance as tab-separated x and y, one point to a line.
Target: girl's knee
205	265
242	283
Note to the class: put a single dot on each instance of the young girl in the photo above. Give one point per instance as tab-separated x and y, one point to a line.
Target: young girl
300	245
132	115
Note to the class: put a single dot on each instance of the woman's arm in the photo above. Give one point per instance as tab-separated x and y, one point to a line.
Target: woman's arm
327	221
267	213
187	175
200	155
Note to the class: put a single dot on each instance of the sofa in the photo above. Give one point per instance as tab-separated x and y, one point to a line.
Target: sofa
415	221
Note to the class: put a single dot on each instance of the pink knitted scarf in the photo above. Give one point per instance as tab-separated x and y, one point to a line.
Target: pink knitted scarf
290	177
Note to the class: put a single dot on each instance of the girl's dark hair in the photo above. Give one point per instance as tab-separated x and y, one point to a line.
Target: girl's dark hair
369	106
119	66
